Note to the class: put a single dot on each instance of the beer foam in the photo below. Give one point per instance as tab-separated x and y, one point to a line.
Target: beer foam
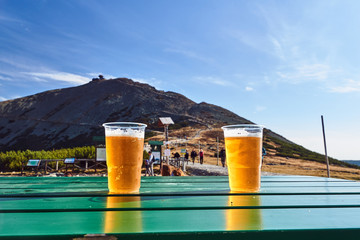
250	131
124	129
125	132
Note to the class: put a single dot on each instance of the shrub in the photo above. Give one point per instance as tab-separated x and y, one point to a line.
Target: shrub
13	160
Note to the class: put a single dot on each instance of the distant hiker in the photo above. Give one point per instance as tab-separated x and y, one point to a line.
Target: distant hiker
147	167
149	164
193	155
263	154
222	156
186	156
201	154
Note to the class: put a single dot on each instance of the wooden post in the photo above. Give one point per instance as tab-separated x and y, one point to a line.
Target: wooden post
326	156
166	130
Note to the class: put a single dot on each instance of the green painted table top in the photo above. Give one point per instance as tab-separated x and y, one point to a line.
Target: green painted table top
287	207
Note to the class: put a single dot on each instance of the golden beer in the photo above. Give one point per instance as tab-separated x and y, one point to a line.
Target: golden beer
124	157
243	157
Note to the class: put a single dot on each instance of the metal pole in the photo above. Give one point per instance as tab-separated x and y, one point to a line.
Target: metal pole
217	151
326	156
167	141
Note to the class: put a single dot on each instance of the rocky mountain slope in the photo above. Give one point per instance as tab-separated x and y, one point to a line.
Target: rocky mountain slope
72	116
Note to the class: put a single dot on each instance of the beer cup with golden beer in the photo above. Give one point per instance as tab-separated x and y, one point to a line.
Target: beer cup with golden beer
243	147
124	155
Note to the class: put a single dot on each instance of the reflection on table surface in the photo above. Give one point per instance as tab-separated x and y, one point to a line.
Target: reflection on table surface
123	221
245	219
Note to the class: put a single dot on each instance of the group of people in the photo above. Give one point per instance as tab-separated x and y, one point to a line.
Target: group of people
194	154
149	163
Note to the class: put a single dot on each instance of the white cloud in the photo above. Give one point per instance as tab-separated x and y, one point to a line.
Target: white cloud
5	78
141	80
249	89
260	108
214	80
17	64
10	19
151	81
3	99
303	73
349	86
278	49
189	54
21	69
59	76
258	42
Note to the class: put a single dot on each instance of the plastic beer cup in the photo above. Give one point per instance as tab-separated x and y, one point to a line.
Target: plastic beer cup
243	147
124	155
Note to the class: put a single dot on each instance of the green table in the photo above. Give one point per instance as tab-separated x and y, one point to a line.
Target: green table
287	207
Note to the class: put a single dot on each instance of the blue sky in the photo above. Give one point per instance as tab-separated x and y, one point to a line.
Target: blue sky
281	64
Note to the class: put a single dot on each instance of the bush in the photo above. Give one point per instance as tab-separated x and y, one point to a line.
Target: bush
13	160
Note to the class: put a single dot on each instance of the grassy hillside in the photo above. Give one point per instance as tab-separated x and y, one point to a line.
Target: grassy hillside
290	150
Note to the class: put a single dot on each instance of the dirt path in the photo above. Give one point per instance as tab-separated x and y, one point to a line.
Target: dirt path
198	169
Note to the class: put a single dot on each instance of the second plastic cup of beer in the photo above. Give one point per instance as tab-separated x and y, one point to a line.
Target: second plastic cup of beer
243	147
124	155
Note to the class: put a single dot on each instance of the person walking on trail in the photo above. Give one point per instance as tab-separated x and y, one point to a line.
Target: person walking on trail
263	154
222	156
186	156
150	164
193	155
201	154
177	159
147	167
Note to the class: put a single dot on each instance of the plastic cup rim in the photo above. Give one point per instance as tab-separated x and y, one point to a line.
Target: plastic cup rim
234	126
124	125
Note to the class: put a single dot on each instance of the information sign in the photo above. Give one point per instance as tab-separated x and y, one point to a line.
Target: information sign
33	163
101	154
69	160
167	152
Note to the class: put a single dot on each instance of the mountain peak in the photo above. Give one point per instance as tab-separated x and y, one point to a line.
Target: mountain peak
72	116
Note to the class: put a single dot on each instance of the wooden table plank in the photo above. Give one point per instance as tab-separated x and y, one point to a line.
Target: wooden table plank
206	190
192	179
181	202
162	222
89	185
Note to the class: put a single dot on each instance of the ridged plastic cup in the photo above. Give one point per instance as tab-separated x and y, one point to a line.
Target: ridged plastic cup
243	147
124	155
